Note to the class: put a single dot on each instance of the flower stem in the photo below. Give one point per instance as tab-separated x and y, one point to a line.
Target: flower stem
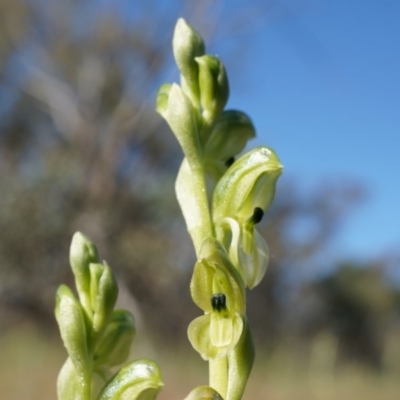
218	375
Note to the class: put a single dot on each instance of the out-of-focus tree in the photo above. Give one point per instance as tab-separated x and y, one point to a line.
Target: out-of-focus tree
356	305
81	147
299	229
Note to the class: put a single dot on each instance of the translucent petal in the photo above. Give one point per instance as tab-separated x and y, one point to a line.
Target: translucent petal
200	336
253	264
247	250
221	329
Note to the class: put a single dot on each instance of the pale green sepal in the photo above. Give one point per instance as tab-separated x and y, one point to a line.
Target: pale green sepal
214	273
188	44
240	363
177	110
229	136
114	345
70	318
139	380
193	210
82	253
214	86
203	393
199	335
69	385
248	250
249	183
103	295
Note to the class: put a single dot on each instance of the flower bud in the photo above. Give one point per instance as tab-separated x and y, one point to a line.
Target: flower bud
203	393
187	44
71	321
229	136
214	86
114	345
140	379
70	385
103	295
82	253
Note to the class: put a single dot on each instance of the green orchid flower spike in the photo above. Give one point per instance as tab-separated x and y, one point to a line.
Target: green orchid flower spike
97	337
222	200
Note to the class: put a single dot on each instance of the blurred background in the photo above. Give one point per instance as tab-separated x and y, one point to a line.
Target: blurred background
81	148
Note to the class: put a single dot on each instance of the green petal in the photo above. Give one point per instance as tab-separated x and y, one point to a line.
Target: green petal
201	285
140	379
221	329
200	337
247	249
253	260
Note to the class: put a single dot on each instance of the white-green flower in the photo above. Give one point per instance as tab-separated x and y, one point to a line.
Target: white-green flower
218	289
240	199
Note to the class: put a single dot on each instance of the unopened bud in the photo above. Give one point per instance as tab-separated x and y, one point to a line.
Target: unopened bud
187	44
71	321
113	347
229	136
82	253
103	295
214	86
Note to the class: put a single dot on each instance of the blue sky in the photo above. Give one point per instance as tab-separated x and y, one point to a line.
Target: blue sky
322	85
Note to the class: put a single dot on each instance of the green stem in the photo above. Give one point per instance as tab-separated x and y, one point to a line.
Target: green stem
218	375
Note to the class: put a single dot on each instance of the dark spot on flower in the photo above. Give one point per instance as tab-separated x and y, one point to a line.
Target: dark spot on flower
257	215
229	161
218	302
